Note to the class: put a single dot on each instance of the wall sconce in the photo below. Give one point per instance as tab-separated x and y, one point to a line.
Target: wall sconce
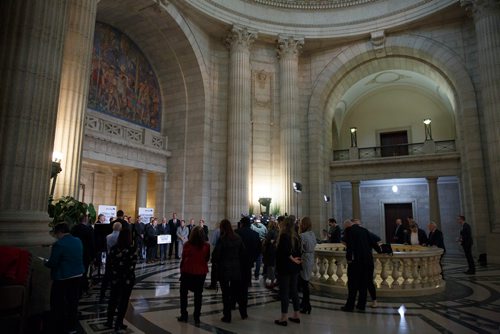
326	198
354	137
428	130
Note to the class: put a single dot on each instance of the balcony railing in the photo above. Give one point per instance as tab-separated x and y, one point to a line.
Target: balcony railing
428	147
410	271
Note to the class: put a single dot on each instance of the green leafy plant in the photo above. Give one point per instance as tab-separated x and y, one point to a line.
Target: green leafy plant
70	210
275	210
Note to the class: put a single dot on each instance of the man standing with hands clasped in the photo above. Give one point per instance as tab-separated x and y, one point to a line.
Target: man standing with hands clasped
465	240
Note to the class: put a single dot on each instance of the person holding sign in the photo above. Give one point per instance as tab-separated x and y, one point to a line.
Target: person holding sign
163	229
151	241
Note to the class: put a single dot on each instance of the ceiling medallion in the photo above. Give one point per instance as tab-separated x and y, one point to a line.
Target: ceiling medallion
311	4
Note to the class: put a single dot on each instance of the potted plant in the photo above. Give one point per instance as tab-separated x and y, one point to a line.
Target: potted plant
70	210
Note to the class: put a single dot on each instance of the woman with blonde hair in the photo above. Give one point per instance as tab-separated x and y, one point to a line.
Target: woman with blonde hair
308	241
288	260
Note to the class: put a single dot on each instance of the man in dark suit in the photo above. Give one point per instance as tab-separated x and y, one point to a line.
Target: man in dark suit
151	240
252	243
164	228
173	224
334	232
85	233
435	239
120	218
399	233
466	242
359	245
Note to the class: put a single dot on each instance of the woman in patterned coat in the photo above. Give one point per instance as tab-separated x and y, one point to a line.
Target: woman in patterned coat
122	259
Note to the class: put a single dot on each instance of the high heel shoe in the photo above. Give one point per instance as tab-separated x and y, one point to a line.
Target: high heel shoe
306	310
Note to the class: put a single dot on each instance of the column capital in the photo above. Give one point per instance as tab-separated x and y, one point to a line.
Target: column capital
355	182
240	38
289	46
481	8
432	178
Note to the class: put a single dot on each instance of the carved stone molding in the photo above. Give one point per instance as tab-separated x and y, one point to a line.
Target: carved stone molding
289	46
311	4
262	88
481	8
240	39
378	42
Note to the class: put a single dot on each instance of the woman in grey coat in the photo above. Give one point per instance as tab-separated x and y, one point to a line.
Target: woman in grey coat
308	244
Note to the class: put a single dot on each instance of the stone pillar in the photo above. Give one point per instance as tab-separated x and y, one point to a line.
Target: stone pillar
356	202
30	66
486	15
73	93
238	154
434	213
288	53
142	189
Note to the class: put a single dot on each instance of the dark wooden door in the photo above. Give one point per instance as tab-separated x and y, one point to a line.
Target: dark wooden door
394	143
392	212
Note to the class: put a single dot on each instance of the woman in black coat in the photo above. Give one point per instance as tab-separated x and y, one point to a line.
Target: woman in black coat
288	265
228	255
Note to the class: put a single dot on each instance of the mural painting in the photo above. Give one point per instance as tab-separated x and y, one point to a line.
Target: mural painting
122	82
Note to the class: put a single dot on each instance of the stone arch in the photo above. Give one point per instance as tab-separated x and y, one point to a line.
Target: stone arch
166	39
356	61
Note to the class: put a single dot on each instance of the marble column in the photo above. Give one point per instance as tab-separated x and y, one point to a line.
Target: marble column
238	154
486	14
356	202
434	213
142	189
30	66
288	53
73	93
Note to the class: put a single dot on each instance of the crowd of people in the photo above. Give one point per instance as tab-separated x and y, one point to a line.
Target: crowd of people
281	251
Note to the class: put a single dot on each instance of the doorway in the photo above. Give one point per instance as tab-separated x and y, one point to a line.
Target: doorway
394	143
393	211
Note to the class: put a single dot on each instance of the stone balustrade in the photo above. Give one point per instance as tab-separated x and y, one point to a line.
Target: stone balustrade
410	271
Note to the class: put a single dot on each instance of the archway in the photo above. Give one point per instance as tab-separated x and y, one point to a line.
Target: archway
413	53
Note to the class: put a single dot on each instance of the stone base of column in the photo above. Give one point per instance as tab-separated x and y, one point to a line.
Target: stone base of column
23	229
33	236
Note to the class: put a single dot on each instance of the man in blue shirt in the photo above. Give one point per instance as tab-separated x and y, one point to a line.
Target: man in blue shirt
66	264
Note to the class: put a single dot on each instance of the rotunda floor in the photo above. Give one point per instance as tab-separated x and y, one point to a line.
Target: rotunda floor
470	304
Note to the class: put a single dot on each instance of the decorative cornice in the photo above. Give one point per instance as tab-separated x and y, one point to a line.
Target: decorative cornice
289	46
311	4
240	38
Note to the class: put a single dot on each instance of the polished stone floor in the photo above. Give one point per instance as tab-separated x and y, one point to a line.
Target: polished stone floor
470	304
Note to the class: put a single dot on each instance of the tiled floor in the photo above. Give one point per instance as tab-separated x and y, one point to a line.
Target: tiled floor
470	304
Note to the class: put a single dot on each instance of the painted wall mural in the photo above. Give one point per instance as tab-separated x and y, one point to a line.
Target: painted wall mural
122	82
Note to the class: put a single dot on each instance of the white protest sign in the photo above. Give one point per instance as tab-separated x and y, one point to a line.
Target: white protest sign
146	214
109	211
164	239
